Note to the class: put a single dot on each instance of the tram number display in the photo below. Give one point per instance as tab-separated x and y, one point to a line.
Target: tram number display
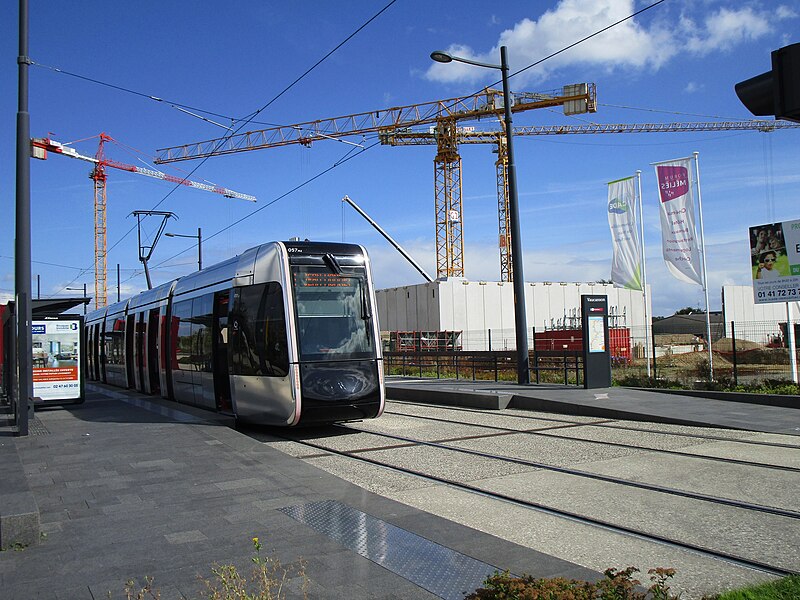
322	280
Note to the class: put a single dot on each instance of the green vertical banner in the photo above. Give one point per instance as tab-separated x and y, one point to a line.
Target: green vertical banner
626	265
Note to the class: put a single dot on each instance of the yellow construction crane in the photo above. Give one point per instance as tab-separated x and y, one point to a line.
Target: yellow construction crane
39	149
444	114
452	138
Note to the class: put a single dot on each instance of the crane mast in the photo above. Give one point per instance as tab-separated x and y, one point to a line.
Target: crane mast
39	149
444	114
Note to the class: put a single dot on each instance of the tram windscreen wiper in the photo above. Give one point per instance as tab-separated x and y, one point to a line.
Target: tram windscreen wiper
332	263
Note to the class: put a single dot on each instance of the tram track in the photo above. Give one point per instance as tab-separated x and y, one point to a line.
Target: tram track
548	433
607	525
791	514
605	424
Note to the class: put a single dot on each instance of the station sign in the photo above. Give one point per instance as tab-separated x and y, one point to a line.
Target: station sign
57	359
775	262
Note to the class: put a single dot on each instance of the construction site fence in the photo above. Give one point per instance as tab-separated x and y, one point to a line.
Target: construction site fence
742	352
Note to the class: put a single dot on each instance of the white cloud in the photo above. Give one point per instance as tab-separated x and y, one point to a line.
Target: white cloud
627	45
693	87
727	28
569	21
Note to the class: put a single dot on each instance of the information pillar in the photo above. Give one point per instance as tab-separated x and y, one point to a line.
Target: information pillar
596	354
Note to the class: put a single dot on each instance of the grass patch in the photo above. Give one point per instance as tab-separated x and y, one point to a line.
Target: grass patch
787	588
781	387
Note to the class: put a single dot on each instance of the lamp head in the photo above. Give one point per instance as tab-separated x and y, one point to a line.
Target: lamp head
440	56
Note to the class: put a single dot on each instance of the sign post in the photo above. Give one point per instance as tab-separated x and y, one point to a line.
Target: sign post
596	354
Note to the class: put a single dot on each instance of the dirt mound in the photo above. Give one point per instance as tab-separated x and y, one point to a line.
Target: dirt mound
691	360
726	345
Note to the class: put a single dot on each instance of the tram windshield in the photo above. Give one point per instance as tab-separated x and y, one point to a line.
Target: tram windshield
333	313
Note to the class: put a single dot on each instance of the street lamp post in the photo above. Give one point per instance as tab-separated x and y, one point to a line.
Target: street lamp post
523	360
199	238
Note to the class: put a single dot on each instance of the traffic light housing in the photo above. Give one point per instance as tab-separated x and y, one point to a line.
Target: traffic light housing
776	92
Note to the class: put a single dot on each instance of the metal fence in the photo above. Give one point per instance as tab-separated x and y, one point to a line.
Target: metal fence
741	353
564	367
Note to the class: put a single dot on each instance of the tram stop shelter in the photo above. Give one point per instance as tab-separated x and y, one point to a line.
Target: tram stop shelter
40	308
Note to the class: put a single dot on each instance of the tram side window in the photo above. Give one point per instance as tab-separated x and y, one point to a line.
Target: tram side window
202	318
258	331
115	340
182	311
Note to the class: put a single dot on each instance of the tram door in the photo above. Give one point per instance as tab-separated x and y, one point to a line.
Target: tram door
89	352
138	353
152	352
102	357
222	380
130	335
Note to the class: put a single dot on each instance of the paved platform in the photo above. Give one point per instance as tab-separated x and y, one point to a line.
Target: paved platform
774	414
125	488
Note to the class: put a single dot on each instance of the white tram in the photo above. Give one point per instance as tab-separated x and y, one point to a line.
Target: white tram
284	334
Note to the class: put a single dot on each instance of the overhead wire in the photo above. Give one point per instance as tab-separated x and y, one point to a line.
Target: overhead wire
128	90
669	112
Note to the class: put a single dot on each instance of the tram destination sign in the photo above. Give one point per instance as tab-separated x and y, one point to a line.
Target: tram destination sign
319	279
775	261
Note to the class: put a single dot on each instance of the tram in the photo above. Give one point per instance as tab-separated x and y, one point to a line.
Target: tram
284	334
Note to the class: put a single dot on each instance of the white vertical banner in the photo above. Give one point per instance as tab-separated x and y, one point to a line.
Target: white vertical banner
626	265
678	233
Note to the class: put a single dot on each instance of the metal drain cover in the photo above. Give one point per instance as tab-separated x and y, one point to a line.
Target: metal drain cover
436	568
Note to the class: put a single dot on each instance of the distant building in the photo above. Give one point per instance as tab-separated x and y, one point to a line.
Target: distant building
761	323
475	308
692	324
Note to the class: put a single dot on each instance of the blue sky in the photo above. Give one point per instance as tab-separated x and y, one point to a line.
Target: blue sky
677	61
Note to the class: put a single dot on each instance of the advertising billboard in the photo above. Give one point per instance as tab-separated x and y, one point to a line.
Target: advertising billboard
56	347
775	262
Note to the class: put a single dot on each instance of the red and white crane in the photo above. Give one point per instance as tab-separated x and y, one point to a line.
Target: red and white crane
41	146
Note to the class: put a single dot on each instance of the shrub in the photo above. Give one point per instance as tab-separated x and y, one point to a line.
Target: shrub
269	577
617	585
268	581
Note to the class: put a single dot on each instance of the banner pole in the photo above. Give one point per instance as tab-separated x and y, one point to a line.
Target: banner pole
790	340
705	272
644	272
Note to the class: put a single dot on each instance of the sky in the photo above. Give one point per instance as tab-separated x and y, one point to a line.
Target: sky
98	68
